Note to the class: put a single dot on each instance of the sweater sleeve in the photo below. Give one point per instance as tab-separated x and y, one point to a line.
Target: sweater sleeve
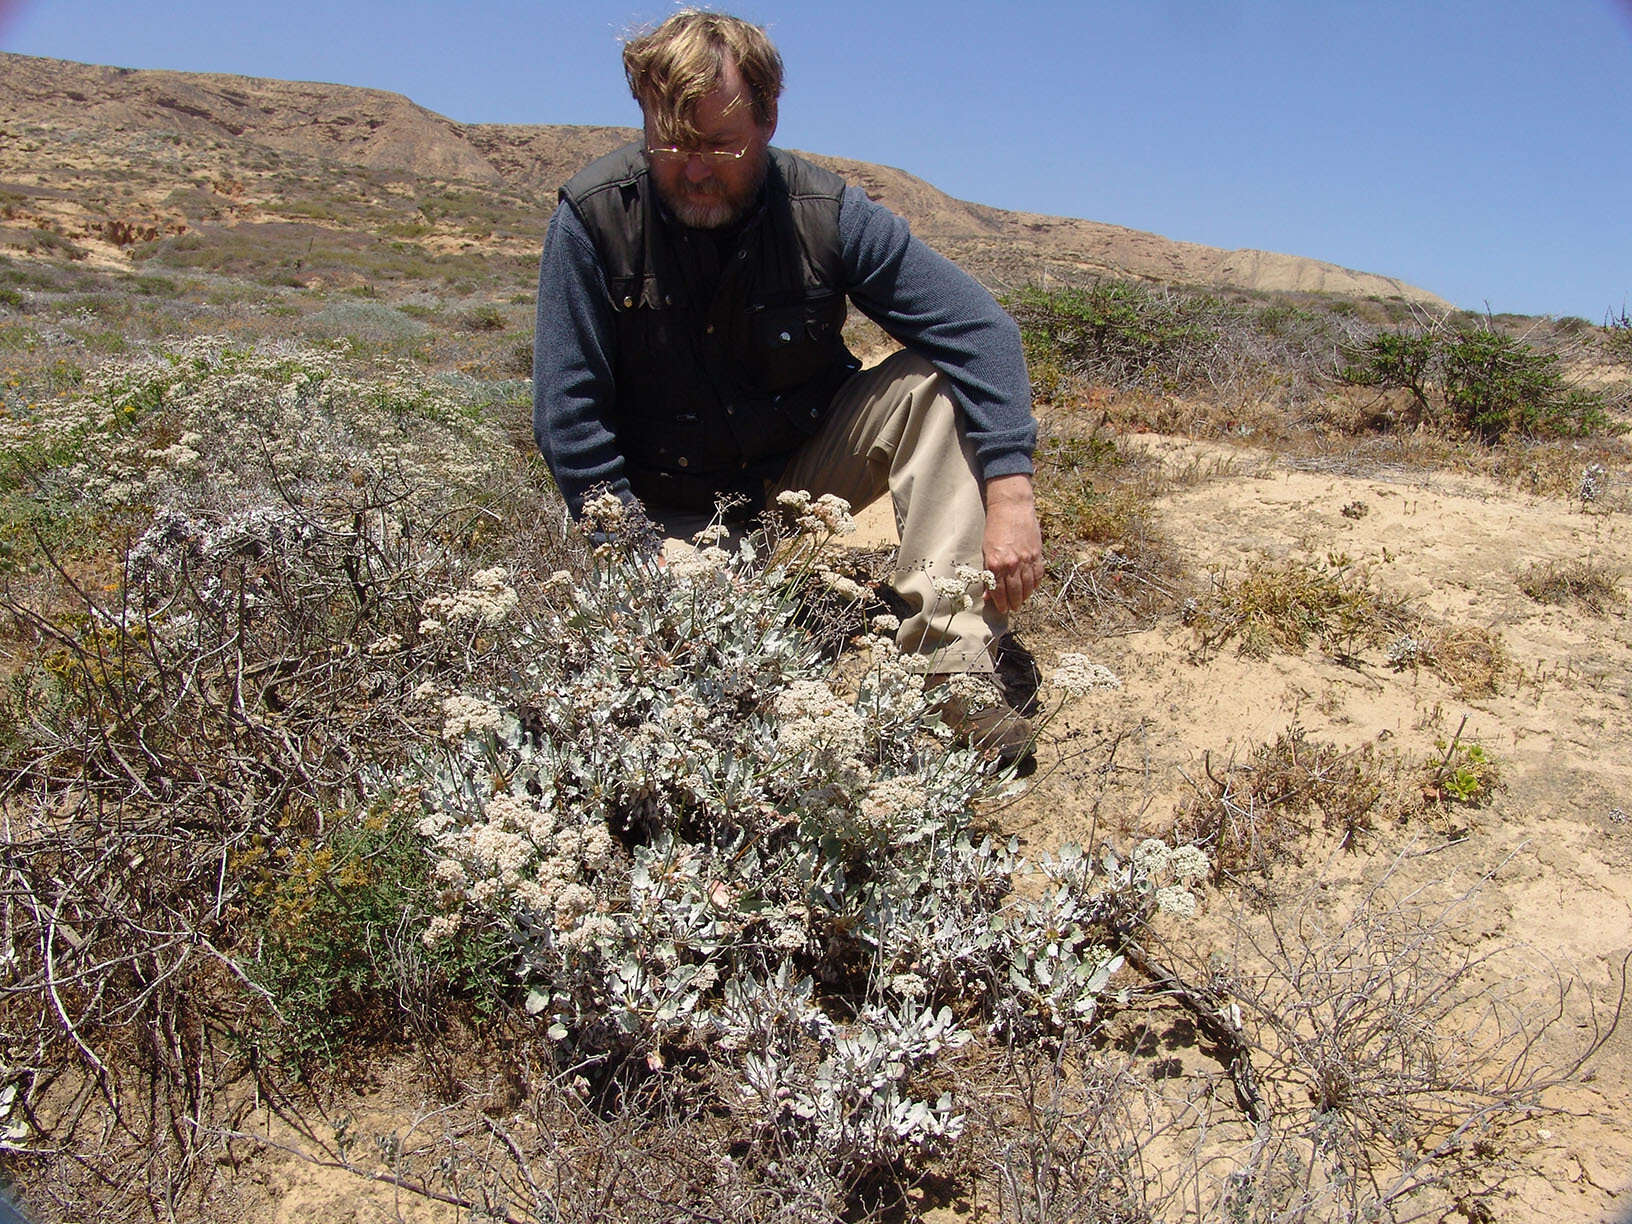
938	310
573	341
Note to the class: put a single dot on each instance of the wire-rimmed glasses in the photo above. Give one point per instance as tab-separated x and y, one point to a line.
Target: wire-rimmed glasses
676	153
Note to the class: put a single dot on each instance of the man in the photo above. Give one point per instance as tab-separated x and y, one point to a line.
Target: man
691	300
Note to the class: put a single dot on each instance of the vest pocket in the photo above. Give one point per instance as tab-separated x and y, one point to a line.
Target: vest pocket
793	343
633	292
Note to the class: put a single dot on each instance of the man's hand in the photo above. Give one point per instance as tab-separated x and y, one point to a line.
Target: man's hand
1013	547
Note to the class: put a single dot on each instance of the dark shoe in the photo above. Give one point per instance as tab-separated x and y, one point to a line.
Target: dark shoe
1017	674
991	727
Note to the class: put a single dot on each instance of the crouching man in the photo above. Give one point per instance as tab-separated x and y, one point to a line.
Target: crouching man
691	303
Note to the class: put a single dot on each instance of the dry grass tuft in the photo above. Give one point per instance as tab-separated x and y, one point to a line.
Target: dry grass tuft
1475	660
1269	608
1586	582
1279	608
1095	501
1255	816
1093	489
1122	588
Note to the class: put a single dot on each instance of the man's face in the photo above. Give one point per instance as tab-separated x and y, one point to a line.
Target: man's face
702	187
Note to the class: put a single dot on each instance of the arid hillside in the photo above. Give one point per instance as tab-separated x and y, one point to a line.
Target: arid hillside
89	154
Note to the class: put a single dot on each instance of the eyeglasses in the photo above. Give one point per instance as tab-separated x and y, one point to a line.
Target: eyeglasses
675	153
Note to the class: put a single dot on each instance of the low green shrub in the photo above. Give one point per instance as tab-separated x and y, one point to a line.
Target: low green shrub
1466	773
483	318
49	242
1476	380
156	286
1117	332
336	923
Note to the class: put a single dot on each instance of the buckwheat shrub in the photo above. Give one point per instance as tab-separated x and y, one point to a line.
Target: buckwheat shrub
700	838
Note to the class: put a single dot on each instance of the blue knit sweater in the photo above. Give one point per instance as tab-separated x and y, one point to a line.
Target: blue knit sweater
919	297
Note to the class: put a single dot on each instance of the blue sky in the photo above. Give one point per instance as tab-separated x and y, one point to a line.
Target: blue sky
1481	149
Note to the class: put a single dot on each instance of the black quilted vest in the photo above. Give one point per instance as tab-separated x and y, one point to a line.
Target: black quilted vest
716	390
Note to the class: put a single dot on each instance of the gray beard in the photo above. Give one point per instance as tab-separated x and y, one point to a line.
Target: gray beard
715	212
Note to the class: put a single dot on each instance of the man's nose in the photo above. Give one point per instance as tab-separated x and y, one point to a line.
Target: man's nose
697	168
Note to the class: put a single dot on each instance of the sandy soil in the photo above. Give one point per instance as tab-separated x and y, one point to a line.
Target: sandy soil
1556	842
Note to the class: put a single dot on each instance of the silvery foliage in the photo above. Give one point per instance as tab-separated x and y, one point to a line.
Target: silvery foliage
1406	651
209	423
700	837
1593	479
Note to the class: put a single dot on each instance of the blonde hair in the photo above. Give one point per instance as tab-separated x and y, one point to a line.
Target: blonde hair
672	68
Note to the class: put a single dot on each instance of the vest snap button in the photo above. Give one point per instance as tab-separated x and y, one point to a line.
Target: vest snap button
742	254
682	461
628	303
786	337
709	329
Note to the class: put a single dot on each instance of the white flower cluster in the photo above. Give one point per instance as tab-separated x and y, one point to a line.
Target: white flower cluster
699	562
486	600
604	512
519	857
956	593
970	576
842	585
180	453
892	687
952	593
890	801
1152	857
972	690
463	714
1076	676
1153	860
812	718
821	517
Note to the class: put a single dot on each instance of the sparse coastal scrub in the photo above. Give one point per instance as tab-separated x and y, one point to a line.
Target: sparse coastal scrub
362	818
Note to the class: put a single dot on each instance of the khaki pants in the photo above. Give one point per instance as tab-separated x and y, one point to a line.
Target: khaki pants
894	428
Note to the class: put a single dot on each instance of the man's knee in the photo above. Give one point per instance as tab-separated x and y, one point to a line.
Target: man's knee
905	374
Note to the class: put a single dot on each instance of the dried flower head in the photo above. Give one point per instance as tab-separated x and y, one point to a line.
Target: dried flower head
463	715
1176	900
604	511
952	593
1076	675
